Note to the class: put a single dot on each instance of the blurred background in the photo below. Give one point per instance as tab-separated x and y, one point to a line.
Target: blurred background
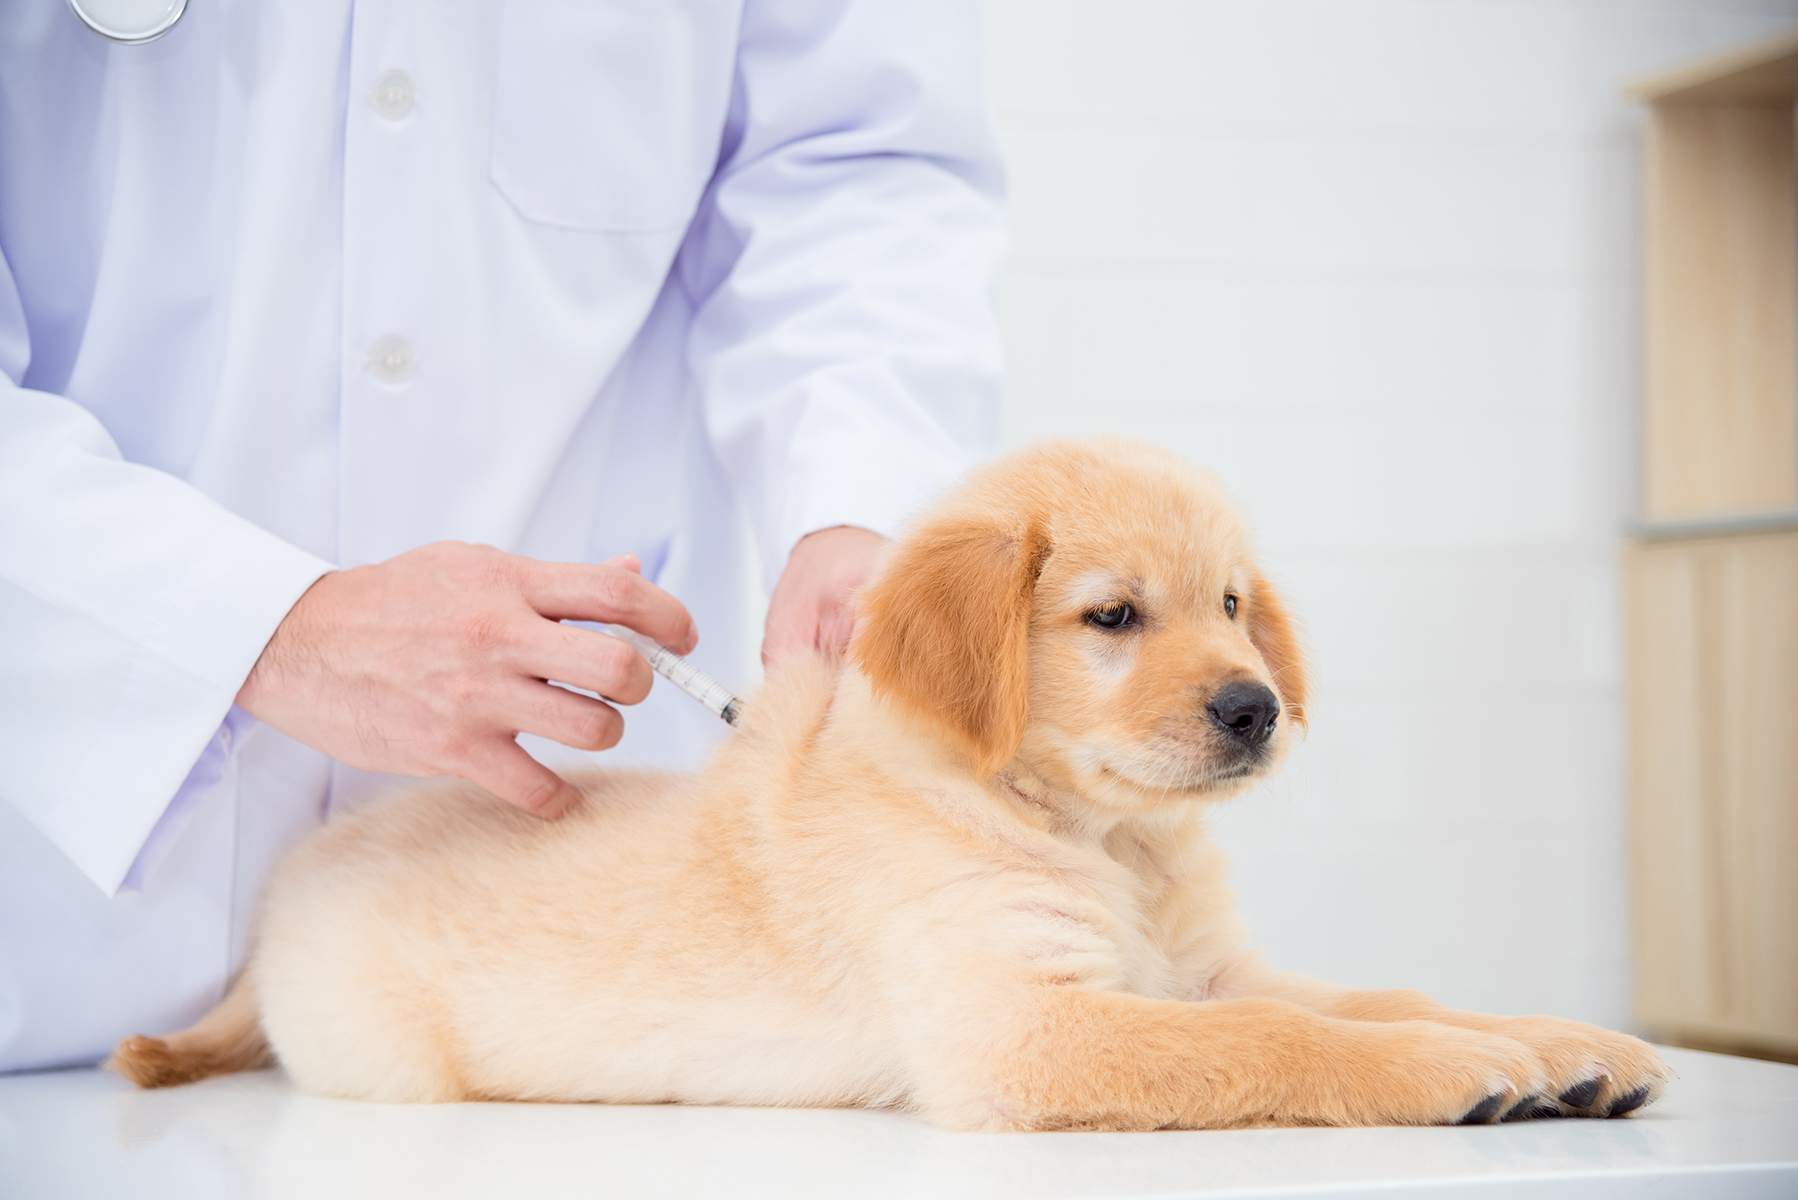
1376	263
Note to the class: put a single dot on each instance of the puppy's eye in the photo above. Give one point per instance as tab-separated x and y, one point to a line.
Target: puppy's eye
1230	606
1111	616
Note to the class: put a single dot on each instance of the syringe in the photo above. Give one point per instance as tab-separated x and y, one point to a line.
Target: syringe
683	674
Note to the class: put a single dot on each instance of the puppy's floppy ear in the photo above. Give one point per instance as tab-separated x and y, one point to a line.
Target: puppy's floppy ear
1276	636
944	632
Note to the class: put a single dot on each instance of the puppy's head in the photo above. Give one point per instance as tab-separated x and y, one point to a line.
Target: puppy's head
1093	610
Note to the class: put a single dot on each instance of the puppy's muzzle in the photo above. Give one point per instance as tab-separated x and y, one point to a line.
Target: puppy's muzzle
1245	712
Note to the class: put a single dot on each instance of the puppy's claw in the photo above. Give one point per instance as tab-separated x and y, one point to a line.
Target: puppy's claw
1531	1108
1629	1103
1581	1095
1483	1112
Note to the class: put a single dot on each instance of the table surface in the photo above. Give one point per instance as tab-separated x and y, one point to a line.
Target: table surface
1727	1128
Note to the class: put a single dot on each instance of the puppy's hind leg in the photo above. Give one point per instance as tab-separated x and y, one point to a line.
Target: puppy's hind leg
229	1038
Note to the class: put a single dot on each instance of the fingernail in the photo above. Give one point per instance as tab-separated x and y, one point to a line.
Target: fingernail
692	637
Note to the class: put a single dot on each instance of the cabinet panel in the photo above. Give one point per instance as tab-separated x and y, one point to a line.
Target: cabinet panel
1713	651
1721	277
1758	783
1675	922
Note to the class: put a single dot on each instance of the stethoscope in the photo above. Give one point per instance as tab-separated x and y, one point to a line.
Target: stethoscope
129	21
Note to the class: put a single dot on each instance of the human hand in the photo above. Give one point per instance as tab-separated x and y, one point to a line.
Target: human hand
432	663
810	606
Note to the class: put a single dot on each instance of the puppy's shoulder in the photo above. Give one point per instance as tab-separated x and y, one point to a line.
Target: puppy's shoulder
790	706
778	729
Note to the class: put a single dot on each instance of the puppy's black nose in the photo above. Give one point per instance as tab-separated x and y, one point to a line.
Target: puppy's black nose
1245	709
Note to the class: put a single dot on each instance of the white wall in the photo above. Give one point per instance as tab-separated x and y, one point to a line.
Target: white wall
1374	262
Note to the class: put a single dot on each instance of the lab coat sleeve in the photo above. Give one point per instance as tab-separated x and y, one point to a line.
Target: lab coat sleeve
841	261
131	609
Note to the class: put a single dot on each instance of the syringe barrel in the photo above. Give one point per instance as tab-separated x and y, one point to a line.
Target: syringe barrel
682	674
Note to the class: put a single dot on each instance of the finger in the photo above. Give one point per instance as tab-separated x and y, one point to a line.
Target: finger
629	562
790	631
502	767
582	592
587	659
567	717
835	628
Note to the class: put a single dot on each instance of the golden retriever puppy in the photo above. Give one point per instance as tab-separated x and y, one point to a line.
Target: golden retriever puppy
964	873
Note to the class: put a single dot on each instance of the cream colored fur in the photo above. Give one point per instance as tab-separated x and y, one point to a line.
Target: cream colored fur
966	873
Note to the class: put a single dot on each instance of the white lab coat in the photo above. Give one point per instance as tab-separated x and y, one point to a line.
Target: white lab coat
660	271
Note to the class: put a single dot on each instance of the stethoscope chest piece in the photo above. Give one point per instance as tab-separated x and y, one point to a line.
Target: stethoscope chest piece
129	21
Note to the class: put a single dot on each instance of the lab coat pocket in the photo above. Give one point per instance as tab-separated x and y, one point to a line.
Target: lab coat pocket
607	114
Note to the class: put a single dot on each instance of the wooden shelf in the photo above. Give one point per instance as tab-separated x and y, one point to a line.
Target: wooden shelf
1772	520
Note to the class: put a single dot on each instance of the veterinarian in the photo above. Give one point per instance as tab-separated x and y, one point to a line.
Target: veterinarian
346	349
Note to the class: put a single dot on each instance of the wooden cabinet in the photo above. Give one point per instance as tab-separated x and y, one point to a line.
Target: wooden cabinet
1712	576
1713	654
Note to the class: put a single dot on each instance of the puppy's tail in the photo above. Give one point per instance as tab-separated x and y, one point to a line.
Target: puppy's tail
229	1038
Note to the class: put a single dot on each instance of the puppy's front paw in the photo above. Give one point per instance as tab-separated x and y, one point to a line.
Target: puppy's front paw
1595	1072
1421	1073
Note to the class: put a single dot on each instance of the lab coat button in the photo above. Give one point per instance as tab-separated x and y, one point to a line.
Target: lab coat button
393	95
392	360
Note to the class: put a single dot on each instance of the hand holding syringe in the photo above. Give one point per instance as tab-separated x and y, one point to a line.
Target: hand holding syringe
682	674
